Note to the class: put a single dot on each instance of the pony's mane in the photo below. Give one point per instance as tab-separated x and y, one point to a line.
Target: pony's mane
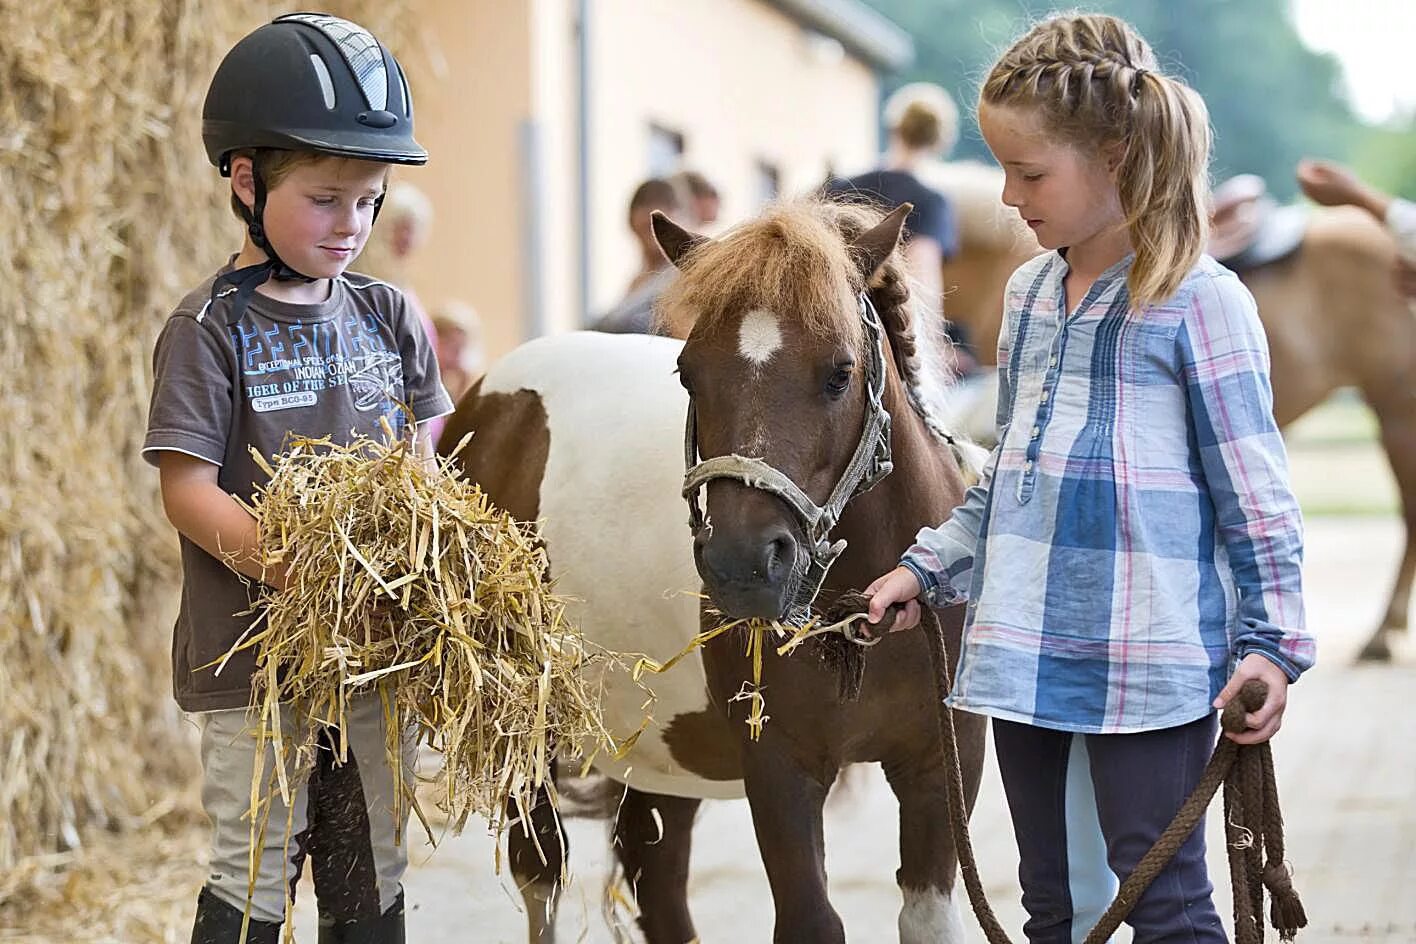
795	260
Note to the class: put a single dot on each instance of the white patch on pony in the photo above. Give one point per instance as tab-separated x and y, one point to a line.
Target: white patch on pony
614	412
759	336
930	916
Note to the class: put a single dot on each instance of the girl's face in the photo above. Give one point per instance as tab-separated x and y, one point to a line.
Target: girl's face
319	216
1067	197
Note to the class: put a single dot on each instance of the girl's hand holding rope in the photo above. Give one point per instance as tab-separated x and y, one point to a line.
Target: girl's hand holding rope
1265	722
899	586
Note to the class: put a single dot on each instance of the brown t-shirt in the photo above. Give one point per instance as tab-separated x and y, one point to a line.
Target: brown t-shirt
330	369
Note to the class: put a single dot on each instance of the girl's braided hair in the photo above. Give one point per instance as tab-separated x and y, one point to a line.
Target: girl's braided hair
1096	85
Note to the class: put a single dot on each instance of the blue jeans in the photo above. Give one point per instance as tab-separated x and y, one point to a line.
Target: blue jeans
1139	782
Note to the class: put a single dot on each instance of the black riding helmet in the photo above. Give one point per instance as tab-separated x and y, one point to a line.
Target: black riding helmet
310	82
307	82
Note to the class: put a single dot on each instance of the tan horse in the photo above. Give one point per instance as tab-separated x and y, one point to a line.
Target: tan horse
1332	312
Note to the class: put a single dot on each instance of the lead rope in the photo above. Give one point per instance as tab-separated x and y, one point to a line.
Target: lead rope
1253	821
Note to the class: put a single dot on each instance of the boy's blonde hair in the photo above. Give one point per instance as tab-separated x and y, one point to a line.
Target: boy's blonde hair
1094	82
274	165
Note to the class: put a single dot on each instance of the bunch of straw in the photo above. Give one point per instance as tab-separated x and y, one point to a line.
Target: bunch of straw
403	579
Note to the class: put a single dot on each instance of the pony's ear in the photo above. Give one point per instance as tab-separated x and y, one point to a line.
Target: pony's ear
872	247
673	239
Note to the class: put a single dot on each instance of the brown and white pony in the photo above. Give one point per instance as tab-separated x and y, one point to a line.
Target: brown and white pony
586	433
1331	310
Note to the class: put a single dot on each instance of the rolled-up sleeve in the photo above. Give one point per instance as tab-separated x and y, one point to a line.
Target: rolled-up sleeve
1225	363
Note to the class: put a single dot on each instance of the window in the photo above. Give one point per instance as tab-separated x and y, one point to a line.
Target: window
665	150
767	181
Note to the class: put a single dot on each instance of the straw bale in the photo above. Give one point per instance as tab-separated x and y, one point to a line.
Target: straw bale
110	214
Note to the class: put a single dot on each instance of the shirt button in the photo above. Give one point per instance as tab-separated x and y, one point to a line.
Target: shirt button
1036	430
1045	395
1027	466
1052	361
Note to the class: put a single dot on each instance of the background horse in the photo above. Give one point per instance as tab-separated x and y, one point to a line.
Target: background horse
1331	311
585	433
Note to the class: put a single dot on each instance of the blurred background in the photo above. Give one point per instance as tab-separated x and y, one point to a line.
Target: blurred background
544	118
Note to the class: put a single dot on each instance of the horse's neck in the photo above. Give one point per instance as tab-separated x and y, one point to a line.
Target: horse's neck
923	488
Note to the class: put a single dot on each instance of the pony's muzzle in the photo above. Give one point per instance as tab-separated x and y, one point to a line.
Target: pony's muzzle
748	575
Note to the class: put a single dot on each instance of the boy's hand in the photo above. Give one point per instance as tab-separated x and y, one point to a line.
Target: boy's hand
898	586
1264	723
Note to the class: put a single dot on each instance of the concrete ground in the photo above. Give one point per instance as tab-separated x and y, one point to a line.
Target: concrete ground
1347	774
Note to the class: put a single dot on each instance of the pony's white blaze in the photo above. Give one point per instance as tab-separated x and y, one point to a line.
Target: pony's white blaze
930	916
759	336
615	414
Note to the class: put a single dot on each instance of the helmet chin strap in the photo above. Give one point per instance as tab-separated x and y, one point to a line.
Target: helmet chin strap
280	270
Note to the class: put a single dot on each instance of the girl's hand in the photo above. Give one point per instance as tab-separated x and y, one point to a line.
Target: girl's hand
1264	723
898	586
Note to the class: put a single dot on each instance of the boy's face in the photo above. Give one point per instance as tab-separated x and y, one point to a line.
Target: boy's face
319	216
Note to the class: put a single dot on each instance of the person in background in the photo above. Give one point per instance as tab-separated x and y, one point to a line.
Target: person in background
461	354
1334	185
923	122
404	222
635	312
700	197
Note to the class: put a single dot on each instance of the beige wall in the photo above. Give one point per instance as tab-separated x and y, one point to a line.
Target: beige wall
470	98
739	80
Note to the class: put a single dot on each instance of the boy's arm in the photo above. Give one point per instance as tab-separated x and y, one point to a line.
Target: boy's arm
213	520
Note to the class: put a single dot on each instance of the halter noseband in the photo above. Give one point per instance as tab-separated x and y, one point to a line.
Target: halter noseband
868	465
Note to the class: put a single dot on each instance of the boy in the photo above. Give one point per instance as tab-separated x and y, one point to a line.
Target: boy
304	115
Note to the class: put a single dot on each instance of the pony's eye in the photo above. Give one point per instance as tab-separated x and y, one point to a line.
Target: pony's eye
840	380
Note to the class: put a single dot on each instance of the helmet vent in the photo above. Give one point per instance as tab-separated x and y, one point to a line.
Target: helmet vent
362	53
326	83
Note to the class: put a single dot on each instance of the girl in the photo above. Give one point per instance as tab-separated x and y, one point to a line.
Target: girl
1134	537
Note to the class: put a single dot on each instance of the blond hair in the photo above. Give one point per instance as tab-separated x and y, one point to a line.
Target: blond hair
273	165
1096	85
923	116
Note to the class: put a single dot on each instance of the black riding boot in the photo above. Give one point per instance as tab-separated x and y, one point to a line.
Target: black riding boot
387	928
219	923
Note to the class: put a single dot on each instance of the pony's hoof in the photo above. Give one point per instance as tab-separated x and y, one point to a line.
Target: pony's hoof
1376	649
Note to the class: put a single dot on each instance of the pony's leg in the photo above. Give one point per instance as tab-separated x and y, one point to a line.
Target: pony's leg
786	806
538	864
1397	415
653	836
934	899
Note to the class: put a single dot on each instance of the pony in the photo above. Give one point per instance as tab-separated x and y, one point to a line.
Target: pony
804	358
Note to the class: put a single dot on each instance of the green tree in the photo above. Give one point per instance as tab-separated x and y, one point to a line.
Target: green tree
1271	99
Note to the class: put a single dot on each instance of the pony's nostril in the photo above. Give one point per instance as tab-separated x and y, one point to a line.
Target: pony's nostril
779	558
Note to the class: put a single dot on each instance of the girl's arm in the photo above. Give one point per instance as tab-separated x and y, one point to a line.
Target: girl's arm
1225	364
941	559
213	520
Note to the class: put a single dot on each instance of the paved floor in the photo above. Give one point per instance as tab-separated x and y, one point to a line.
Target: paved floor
1347	769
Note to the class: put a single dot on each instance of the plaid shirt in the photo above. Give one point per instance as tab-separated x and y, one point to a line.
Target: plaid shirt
1134	531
